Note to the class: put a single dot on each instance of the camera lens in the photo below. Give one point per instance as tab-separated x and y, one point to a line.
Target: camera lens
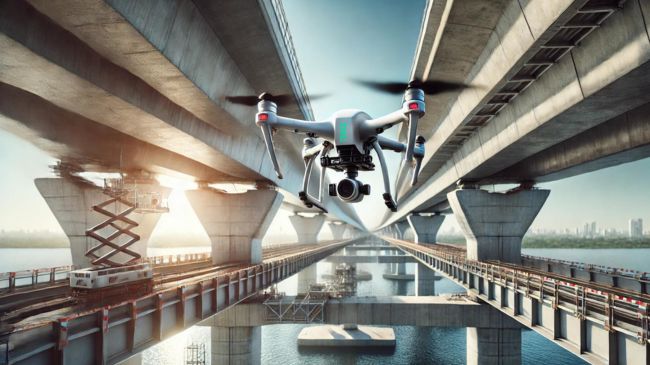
347	189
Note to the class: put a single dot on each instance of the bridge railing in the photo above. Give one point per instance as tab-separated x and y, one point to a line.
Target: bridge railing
24	278
592	267
112	333
13	279
508	286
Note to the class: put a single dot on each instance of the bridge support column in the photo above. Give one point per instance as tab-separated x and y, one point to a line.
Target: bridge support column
338	230
425	228
307	228
486	346
71	203
306	276
425	280
400	229
235	223
495	223
236	345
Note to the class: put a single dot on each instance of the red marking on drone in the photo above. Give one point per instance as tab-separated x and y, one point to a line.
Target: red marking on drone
263	117
413	106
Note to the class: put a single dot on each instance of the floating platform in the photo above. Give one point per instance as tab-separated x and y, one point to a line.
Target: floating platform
347	335
392	276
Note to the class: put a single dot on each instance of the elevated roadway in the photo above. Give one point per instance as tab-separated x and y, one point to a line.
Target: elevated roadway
98	332
142	86
559	90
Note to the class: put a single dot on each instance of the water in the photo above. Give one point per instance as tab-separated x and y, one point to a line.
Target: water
627	258
415	345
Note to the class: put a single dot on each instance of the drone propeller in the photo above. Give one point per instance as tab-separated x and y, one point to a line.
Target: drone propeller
280	100
430	87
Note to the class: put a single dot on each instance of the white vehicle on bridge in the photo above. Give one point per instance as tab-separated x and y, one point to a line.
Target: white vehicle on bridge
98	278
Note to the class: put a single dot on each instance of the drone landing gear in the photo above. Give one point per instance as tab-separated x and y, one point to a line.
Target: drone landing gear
390	202
309	153
388	198
310	203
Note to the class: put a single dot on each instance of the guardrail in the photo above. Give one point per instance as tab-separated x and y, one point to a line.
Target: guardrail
599	322
24	278
110	334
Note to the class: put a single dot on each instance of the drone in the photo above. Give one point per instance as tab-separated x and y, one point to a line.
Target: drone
353	134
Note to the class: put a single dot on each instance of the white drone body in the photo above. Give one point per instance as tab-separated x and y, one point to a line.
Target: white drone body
353	134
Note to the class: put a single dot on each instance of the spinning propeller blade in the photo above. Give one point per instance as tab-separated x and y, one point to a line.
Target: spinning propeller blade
429	87
280	100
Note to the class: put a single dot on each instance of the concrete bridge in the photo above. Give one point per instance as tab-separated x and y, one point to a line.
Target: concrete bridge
138	88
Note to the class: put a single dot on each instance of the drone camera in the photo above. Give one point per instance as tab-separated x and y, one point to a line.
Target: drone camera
349	190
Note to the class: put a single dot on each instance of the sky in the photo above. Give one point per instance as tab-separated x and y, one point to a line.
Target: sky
336	40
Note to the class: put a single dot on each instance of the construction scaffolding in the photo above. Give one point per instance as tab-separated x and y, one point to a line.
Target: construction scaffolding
195	354
304	308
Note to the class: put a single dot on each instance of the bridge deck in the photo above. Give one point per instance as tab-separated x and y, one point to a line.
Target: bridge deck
179	300
599	321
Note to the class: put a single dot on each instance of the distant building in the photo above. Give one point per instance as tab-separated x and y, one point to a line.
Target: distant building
636	228
589	230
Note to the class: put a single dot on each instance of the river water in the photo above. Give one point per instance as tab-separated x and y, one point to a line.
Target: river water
415	345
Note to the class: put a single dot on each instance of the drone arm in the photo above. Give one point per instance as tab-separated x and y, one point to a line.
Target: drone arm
388	198
389	144
376	126
320	129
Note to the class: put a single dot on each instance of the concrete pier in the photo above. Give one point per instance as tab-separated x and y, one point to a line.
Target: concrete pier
307	276
235	223
425	280
400	229
236	345
347	335
425	228
307	228
338	229
495	223
492	346
71	203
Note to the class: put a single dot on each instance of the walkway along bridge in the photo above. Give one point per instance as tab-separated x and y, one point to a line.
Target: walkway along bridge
112	333
600	316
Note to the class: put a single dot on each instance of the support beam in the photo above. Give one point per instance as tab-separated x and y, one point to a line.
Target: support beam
495	223
71	202
338	230
235	223
486	346
307	228
425	228
236	345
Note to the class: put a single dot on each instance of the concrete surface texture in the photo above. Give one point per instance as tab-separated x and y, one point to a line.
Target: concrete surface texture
306	276
602	79
425	228
235	223
138	75
71	203
346	335
236	345
425	280
492	346
495	223
401	229
307	228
